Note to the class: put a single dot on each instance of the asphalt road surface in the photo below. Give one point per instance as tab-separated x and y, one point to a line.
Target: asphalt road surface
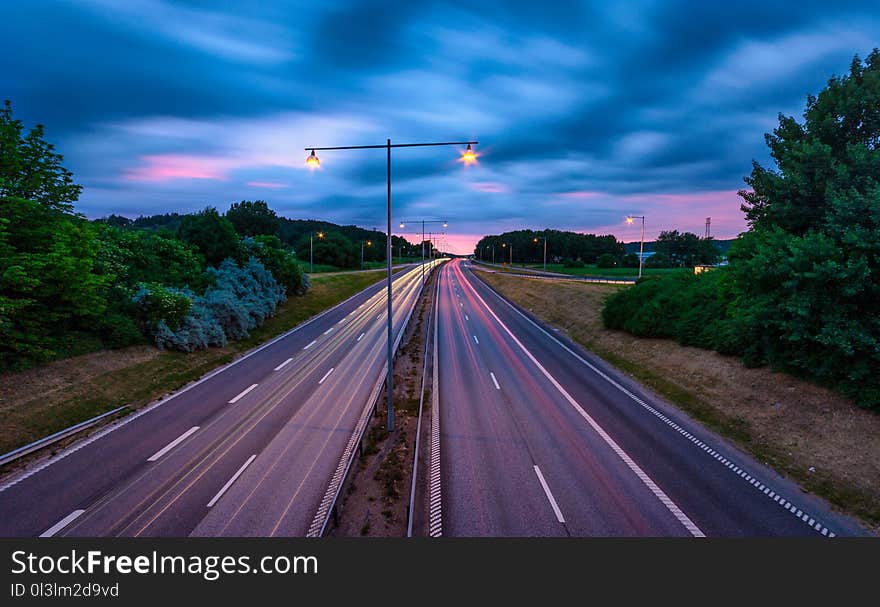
248	451
539	438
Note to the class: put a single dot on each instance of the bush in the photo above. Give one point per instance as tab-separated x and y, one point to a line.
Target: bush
574	263
630	260
606	260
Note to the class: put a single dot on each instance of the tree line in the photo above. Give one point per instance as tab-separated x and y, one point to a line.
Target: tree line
802	289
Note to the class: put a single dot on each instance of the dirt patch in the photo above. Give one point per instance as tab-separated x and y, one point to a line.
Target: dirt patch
816	437
375	502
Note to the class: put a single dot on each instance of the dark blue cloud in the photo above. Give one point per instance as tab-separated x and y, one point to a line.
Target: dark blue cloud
585	110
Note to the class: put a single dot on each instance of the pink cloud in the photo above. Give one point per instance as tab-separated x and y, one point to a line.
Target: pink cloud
490	187
166	167
266	184
580	195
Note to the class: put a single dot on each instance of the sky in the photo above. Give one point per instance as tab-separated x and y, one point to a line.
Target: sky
585	111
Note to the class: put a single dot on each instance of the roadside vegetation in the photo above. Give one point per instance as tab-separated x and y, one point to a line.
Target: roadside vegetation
802	291
39	401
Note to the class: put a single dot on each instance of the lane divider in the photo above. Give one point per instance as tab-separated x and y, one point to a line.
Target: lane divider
550	497
311	343
231	480
62	523
494	381
326	375
172	444
361	336
242	394
282	365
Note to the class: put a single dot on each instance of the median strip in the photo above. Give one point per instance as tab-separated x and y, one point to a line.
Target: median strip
172	444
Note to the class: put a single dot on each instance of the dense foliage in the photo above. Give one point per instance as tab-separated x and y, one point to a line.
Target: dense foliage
528	247
69	285
802	291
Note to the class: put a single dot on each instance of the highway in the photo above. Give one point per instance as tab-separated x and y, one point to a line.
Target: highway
537	437
254	448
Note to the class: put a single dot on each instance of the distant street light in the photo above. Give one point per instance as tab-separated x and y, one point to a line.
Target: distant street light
629	220
544	238
467	157
423	222
369	243
312	250
504	245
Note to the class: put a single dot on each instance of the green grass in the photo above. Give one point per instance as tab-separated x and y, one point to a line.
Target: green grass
592	270
141	383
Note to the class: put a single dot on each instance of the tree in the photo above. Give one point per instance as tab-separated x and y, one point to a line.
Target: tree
253	218
30	168
279	261
606	260
212	234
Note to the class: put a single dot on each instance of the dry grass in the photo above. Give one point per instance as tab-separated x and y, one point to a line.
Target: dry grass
791	424
43	400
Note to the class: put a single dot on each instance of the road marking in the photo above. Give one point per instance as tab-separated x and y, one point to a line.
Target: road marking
727	463
378	317
494	381
549	495
326	375
282	365
172	444
230	481
328	331
62	523
312	343
476	340
650	484
360	337
466	317
242	394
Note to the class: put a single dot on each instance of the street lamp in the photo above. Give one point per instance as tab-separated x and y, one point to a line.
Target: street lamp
467	157
629	220
423	222
369	243
312	250
544	238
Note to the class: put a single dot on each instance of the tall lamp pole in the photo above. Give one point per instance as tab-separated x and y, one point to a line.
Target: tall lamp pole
369	243
629	219
423	222
544	238
467	157
312	251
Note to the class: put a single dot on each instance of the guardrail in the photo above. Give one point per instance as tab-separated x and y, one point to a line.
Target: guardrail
327	507
15	454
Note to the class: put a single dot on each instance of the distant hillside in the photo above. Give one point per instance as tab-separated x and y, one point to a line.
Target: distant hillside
633	247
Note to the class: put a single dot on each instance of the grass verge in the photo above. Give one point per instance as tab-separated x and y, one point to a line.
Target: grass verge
814	436
54	396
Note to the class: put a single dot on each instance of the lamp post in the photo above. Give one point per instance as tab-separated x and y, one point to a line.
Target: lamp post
504	246
544	238
467	157
629	220
423	222
312	251
369	243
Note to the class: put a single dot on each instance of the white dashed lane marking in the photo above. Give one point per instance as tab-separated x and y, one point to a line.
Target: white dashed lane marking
242	394
172	444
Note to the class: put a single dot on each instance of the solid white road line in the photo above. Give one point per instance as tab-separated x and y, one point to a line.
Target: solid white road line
631	464
62	523
242	394
230	481
360	337
172	444
312	343
476	340
550	497
326	375
494	381
282	365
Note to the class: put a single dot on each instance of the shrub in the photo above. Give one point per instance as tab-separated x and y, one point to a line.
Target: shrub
606	260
